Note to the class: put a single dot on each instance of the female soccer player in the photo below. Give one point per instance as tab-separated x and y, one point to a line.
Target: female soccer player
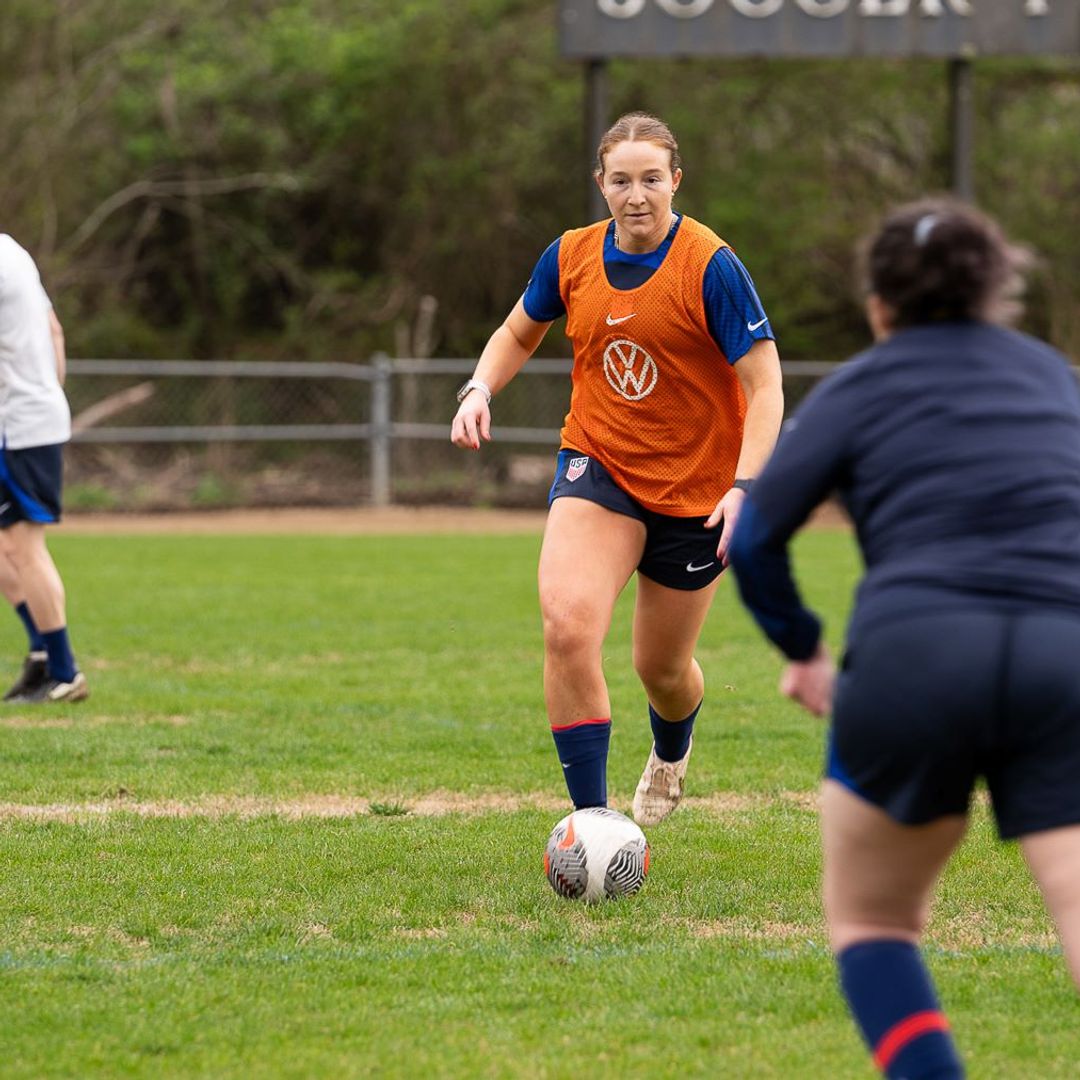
675	406
955	445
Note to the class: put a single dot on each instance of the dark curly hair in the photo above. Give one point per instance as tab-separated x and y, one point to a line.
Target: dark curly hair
939	260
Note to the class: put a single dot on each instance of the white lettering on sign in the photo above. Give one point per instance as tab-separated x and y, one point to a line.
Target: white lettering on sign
937	7
820	9
823	9
757	9
685	9
926	7
621	9
884	7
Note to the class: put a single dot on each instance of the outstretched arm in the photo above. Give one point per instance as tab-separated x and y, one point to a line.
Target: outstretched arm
807	465
503	357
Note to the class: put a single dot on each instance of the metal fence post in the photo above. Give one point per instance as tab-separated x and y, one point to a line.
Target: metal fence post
380	430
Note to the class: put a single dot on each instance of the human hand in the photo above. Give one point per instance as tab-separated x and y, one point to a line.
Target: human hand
727	511
811	682
472	422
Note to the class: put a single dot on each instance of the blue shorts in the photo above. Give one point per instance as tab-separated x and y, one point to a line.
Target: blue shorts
679	552
928	702
31	482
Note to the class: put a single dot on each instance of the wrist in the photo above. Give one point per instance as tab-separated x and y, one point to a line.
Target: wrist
474	384
743	484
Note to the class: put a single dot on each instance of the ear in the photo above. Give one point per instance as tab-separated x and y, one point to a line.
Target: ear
880	316
599	178
676	180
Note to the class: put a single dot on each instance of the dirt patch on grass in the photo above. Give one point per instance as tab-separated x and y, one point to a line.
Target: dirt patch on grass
439	803
435	804
975	930
350	522
34	723
39	722
749	930
353	521
735	802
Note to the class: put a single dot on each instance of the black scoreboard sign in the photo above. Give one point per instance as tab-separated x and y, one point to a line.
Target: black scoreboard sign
595	29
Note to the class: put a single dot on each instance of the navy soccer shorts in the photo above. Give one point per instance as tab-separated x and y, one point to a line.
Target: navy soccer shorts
679	552
31	482
926	703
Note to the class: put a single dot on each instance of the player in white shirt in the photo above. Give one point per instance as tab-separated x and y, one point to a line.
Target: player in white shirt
35	422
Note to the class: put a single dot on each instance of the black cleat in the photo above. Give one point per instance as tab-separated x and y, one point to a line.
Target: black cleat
56	690
35	673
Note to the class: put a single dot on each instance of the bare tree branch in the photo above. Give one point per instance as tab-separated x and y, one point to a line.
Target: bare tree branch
111	405
158	189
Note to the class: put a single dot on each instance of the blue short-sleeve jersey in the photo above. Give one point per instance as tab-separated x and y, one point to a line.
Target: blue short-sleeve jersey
733	311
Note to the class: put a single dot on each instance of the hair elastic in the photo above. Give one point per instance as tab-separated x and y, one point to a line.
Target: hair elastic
924	227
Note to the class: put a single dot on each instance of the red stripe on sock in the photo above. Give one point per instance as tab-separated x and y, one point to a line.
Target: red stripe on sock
899	1035
581	723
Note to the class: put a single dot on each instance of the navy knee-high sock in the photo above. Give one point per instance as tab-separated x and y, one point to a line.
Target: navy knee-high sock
37	643
892	999
672	737
61	660
583	749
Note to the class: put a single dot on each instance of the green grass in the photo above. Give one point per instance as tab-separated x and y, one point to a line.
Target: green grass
396	944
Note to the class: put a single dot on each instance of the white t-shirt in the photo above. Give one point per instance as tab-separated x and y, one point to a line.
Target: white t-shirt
33	408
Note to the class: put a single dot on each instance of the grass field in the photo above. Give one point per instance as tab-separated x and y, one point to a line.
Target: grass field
297	832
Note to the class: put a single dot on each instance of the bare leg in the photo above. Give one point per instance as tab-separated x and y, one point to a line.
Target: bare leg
1054	858
879	879
10	586
38	575
667	625
588	555
879	875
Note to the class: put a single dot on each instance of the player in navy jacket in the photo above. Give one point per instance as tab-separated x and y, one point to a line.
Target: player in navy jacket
954	444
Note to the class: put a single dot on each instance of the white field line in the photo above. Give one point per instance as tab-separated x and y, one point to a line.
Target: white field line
434	804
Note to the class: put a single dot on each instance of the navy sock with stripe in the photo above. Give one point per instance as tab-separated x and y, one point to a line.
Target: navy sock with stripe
583	750
672	737
892	999
61	660
37	643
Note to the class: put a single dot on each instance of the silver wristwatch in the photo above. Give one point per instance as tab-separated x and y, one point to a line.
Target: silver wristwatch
474	384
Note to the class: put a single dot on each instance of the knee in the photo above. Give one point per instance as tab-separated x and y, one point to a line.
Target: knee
570	628
895	922
661	674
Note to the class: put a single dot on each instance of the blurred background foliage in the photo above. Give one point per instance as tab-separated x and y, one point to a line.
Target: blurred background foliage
290	178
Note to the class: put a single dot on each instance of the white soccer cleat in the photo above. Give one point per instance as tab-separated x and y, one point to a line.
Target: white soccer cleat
660	788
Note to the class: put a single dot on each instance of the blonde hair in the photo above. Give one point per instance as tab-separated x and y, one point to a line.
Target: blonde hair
638	127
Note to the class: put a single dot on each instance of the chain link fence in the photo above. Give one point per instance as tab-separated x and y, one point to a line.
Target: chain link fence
195	434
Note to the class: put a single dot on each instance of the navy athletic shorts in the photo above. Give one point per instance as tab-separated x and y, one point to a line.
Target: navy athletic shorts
31	482
926	703
679	552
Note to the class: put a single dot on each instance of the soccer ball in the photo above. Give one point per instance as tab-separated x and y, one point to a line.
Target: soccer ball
595	854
